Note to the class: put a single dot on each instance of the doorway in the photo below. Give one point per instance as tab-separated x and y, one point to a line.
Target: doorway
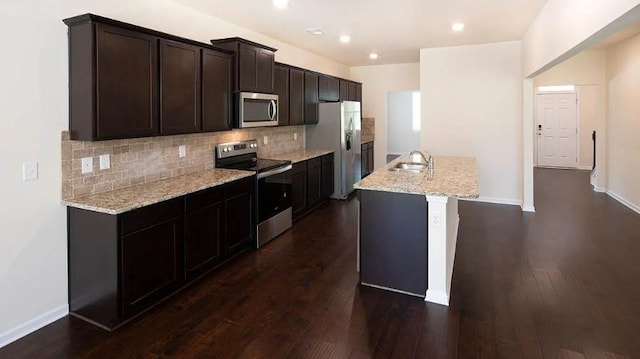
403	123
556	119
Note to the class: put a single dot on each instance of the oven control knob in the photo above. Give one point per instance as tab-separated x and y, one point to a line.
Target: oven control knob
224	149
229	149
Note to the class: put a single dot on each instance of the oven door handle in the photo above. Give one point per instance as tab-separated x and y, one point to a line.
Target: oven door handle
275	171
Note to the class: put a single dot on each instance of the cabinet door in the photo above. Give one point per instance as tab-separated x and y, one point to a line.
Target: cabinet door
364	166
358	96
344	90
248	67
216	90
370	158
299	189
328	88
310	98
151	265
239	211
179	88
296	97
127	83
327	176
281	88
314	181
203	231
265	71
352	91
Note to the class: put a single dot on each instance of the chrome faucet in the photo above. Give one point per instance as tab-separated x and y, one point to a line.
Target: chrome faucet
428	161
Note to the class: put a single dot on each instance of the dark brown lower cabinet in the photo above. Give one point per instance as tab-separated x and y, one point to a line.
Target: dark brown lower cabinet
327	176
299	189
367	159
240	215
312	183
121	265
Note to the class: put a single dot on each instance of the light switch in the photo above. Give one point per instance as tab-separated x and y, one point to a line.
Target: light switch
182	151
105	162
266	140
30	171
87	165
295	136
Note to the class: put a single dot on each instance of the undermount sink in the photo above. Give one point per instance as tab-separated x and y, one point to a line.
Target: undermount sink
409	167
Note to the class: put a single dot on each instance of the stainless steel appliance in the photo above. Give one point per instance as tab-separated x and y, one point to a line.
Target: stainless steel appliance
273	186
339	129
256	109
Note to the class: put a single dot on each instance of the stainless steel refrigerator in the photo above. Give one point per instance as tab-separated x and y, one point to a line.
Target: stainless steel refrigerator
339	129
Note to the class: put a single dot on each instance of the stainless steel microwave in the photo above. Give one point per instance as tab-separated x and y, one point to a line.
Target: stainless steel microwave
256	110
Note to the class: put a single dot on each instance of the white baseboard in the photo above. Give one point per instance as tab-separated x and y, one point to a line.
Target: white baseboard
437	297
617	197
528	208
584	168
511	202
32	325
600	189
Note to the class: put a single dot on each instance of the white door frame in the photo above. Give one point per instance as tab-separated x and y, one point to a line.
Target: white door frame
535	123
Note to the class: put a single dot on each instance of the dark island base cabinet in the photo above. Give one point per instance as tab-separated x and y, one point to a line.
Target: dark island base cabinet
312	183
121	265
393	241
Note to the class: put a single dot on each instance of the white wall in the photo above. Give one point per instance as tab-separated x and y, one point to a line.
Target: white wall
401	138
471	106
587	70
562	25
34	110
623	74
376	82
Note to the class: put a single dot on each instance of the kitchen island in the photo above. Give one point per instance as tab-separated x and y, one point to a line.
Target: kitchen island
408	226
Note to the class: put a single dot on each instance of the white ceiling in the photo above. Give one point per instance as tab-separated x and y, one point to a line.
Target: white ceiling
395	29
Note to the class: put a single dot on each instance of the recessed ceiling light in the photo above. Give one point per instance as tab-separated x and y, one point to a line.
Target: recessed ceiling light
345	39
373	56
457	26
315	31
281	4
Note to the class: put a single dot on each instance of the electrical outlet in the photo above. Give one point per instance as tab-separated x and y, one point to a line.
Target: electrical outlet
87	165
436	218
266	140
30	171
182	151
295	136
105	162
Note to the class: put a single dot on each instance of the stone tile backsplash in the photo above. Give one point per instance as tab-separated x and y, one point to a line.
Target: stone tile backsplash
141	160
368	128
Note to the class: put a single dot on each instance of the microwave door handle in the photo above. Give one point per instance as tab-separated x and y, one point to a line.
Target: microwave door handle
272	110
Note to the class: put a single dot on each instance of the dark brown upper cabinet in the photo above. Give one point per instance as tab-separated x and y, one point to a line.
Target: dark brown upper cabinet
217	71
127	81
358	95
113	82
310	98
281	88
344	90
352	91
179	88
254	64
328	88
296	97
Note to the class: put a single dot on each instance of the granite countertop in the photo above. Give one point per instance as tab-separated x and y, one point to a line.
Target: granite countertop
127	199
301	155
452	177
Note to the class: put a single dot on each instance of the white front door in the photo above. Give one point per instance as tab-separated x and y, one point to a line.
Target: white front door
556	127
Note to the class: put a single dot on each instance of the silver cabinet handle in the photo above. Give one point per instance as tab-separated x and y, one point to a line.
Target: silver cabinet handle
272	110
274	171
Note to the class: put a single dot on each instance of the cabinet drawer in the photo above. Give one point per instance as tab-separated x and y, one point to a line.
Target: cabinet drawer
314	162
299	167
151	215
240	186
204	198
327	158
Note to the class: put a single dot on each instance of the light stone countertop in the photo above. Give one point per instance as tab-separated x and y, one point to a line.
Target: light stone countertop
452	177
301	155
130	198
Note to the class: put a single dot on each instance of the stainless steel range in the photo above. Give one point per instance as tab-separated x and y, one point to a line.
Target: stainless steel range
273	186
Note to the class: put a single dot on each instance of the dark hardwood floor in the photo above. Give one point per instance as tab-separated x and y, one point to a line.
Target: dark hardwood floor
560	283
